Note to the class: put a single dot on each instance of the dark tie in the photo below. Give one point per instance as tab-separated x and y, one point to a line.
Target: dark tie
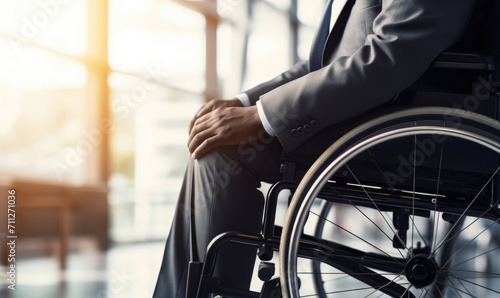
316	55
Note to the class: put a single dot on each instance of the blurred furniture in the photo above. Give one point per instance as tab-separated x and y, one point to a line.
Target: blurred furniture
59	211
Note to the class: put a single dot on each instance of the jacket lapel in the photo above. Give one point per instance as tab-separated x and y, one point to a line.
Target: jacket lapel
318	45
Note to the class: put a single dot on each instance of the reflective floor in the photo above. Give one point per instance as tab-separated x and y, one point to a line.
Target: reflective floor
122	271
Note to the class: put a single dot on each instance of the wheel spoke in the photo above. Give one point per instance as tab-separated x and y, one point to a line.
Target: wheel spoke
363	213
469	242
426	292
379	169
419	233
476	284
407	289
436	221
472	258
358	237
465	211
350	274
341	291
377	207
457	290
491	274
413	195
387	284
439	290
461	283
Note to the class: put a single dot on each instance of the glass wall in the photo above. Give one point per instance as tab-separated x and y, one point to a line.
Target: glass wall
43	83
102	91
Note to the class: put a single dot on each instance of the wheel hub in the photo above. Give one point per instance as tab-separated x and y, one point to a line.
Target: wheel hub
421	271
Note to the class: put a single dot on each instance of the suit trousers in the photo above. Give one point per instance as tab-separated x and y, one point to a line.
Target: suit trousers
221	192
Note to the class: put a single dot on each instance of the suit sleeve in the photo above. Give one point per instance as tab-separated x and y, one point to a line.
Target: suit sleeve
408	35
297	71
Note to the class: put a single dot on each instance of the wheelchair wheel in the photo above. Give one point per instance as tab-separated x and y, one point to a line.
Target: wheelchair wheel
418	192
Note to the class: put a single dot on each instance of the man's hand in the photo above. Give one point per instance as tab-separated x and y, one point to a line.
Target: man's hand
213	105
219	124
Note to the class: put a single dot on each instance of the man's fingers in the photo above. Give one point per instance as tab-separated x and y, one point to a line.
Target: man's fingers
191	124
205	147
198	139
199	125
212	106
223	126
202	130
204	109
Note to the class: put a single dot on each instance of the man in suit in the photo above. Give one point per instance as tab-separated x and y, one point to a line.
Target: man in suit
365	52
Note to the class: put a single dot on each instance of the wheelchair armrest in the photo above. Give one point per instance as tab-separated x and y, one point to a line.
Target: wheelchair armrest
465	61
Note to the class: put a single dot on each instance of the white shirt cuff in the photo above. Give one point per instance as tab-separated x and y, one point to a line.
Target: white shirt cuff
263	119
245	100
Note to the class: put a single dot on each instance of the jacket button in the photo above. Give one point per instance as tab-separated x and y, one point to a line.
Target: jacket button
295	132
314	123
300	130
307	127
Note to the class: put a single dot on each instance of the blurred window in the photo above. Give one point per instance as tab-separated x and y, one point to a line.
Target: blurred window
161	35
43	82
269	44
281	4
103	91
310	12
58	25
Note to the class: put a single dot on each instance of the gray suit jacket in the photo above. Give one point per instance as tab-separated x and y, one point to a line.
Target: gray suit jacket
385	45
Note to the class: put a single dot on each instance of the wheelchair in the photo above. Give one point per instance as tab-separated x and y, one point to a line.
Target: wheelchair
417	187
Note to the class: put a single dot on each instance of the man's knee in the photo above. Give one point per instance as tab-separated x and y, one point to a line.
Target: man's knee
221	165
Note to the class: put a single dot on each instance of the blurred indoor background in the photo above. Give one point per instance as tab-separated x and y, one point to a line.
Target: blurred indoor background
95	101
